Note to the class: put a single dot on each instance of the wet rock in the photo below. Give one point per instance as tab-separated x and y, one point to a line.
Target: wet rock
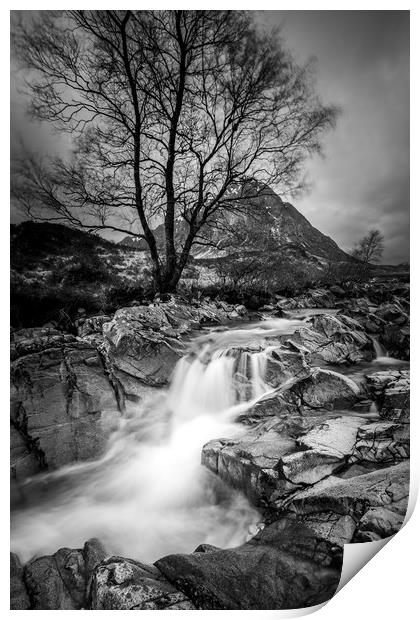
334	339
23	461
19	598
378	523
286	566
277	457
391	391
63	406
396	340
382	442
285	364
249	463
142	344
61	580
326	388
392	312
338	505
57	581
120	583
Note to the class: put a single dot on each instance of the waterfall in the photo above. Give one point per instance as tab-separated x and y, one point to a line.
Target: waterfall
148	495
380	351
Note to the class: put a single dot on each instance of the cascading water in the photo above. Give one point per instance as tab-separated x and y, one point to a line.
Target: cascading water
148	495
380	351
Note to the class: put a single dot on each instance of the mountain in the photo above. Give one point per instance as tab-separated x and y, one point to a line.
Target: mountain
264	225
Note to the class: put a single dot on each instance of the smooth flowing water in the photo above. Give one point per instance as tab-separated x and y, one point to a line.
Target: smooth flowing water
149	495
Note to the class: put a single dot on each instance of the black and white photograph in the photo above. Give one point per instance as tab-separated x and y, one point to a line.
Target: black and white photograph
209	304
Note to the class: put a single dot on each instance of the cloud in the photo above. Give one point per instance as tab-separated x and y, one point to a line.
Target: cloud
363	65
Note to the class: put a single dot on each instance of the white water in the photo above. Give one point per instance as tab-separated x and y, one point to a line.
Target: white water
148	495
381	355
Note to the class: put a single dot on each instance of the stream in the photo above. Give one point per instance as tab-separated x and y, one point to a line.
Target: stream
148	495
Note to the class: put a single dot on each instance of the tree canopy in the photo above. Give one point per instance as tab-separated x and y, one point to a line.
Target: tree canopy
170	113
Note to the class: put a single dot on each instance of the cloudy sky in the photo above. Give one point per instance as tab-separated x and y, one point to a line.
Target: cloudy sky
363	66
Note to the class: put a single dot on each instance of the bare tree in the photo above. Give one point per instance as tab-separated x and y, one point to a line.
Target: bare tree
170	111
370	248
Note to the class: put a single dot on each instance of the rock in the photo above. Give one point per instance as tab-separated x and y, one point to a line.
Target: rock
378	523
336	437
391	391
142	343
35	339
241	310
57	581
396	400
120	583
63	580
286	566
382	442
23	459
337	290
205	548
326	449
92	325
333	339
63	406
284	364
392	312
326	388
334	507
396	340
249	464
19	598
279	456
94	553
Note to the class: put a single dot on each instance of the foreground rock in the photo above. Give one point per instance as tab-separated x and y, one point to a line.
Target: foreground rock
362	508
286	566
120	583
63	404
19	598
59	581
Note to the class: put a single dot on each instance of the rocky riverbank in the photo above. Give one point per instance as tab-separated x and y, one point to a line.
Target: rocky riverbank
324	456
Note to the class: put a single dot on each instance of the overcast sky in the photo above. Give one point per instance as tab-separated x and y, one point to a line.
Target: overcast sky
363	66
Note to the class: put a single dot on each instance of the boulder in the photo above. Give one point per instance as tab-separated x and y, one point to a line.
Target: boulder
63	405
286	566
392	312
57	581
382	442
335	507
120	583
333	339
279	456
19	598
142	344
327	389
61	580
391	391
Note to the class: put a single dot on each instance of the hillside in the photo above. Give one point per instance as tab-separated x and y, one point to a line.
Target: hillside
55	270
266	248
